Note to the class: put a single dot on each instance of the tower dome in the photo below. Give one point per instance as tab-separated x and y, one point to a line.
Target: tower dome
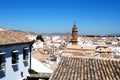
74	28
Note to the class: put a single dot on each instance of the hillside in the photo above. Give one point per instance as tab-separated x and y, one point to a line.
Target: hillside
23	32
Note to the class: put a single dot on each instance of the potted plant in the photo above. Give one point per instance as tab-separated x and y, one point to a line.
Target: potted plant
1	67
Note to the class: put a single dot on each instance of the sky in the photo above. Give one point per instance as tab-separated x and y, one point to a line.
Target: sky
96	17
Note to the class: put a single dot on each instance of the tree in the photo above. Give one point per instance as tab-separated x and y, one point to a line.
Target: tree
39	37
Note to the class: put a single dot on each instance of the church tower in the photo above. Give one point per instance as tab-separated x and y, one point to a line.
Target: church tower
74	35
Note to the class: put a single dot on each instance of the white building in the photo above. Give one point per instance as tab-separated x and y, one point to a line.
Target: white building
15	60
38	44
40	67
31	37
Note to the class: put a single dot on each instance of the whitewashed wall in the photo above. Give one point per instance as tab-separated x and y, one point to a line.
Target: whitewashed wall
14	73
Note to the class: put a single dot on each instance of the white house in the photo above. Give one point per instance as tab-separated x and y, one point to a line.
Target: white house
38	44
15	60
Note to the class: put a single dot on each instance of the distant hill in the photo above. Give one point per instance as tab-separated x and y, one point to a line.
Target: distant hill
116	34
27	33
3	29
89	35
60	34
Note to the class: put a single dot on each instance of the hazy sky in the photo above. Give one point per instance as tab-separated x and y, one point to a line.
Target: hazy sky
51	16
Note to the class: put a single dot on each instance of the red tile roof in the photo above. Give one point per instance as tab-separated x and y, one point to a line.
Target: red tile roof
79	68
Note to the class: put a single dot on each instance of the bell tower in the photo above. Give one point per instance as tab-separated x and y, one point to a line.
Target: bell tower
74	35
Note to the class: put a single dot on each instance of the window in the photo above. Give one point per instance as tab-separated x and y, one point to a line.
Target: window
2	59
0	62
15	57
25	53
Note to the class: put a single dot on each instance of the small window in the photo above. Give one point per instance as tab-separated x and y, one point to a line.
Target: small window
2	58
25	53
15	57
1	62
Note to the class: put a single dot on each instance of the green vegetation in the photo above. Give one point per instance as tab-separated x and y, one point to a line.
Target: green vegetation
32	71
39	37
110	36
99	36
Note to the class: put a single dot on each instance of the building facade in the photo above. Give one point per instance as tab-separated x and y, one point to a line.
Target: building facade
15	60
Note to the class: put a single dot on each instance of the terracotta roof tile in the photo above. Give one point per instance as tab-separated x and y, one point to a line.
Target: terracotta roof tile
79	68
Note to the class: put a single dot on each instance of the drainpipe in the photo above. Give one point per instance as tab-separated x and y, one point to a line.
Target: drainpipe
30	54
